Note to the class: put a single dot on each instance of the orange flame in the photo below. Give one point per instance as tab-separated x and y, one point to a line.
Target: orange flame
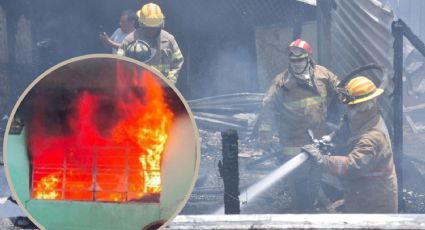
130	169
146	129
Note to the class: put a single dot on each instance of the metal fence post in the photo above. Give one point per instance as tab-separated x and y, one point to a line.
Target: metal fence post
397	31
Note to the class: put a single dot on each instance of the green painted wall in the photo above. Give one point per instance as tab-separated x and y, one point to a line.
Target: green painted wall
178	172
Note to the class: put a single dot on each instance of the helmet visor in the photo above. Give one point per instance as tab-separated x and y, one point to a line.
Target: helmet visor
296	53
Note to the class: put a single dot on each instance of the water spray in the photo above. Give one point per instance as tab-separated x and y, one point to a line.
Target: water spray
281	172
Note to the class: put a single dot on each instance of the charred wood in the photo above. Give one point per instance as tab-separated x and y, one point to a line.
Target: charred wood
230	171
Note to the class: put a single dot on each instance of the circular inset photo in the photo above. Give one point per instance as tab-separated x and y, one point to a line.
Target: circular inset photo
101	142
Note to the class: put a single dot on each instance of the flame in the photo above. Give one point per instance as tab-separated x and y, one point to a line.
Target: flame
47	187
146	131
118	163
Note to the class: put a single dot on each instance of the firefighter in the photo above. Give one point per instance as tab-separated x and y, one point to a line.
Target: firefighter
168	58
368	172
297	101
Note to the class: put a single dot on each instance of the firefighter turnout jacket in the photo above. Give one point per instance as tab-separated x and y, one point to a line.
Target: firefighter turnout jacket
368	172
293	108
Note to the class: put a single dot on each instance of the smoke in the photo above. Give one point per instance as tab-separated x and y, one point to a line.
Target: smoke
237	68
224	67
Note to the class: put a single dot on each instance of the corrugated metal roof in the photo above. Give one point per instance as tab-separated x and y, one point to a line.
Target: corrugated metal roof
361	34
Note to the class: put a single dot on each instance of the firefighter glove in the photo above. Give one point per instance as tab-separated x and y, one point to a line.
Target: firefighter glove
314	152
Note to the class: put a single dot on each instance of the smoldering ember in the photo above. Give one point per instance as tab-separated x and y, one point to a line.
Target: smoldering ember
228	59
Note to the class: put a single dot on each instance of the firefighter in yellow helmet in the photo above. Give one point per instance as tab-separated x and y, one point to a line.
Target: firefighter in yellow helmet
298	100
367	170
167	58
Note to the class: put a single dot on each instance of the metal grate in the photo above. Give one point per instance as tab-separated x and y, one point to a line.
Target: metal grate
110	174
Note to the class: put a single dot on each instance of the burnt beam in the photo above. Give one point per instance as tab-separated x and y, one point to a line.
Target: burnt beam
397	28
230	171
415	40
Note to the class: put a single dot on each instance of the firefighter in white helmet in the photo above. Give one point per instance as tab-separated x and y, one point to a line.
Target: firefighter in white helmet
167	58
298	100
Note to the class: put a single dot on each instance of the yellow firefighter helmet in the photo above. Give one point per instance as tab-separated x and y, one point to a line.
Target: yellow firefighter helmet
150	15
361	89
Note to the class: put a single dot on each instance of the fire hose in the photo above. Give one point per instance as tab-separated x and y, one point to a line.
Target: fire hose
281	172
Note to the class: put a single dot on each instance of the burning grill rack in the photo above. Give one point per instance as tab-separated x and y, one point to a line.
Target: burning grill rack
105	174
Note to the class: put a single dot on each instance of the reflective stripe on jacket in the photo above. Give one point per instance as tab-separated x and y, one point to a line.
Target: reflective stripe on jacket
292	108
